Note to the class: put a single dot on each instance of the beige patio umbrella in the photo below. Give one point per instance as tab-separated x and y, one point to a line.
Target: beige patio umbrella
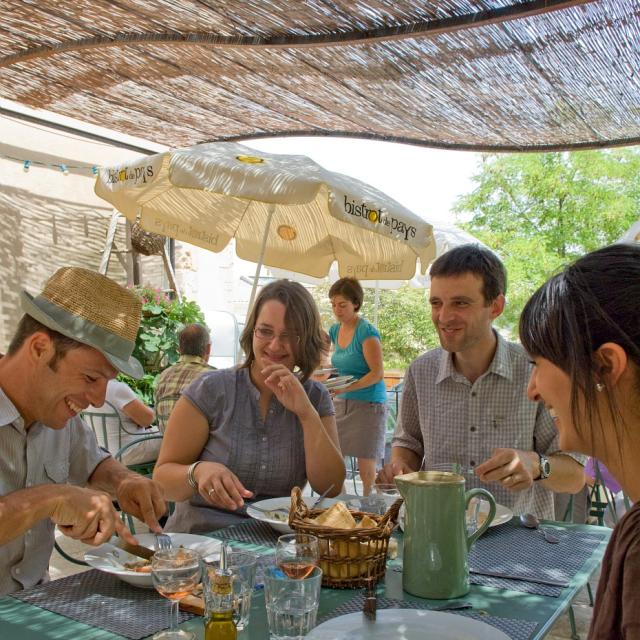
284	211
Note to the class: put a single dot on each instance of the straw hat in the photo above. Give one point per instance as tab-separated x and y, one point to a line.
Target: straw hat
90	308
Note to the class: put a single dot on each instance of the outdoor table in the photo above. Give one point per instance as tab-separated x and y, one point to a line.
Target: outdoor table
22	621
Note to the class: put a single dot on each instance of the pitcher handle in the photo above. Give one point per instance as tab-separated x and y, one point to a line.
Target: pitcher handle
492	512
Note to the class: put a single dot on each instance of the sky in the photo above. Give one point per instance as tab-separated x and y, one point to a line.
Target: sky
427	181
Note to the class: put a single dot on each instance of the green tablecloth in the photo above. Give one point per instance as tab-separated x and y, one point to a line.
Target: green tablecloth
20	621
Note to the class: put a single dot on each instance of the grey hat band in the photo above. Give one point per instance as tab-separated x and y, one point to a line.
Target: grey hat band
84	330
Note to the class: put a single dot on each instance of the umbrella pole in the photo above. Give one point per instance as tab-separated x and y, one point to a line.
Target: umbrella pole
256	277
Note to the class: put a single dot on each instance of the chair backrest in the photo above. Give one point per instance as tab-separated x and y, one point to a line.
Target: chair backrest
99	422
164	407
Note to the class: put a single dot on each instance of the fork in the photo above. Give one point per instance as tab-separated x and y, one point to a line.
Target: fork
321	497
267	511
163	542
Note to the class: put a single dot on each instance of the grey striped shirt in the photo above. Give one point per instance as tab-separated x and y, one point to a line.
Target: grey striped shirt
36	456
267	455
445	418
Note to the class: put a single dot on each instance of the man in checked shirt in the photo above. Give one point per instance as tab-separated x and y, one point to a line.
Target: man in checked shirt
466	402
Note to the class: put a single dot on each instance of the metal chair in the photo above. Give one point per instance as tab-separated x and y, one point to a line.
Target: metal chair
99	422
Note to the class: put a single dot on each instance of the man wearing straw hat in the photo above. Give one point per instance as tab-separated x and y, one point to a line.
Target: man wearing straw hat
74	337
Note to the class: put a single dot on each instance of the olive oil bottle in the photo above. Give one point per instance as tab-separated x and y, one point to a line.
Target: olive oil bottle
220	624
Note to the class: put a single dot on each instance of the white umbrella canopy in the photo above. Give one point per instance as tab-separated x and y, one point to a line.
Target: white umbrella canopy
284	211
446	237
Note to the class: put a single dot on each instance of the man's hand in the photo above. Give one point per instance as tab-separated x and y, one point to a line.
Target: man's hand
391	470
87	515
142	498
513	469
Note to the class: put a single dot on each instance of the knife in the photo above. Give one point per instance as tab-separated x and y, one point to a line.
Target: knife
497	574
136	550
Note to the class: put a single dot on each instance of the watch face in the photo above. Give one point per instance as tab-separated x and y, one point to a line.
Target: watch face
545	467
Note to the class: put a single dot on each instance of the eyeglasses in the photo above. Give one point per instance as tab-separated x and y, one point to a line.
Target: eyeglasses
267	335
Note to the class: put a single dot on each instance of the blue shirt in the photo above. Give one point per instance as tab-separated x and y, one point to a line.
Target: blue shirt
351	361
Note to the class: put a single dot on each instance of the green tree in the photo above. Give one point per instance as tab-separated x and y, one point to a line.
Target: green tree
539	211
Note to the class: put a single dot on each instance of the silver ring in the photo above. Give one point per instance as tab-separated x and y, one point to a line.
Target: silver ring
211	491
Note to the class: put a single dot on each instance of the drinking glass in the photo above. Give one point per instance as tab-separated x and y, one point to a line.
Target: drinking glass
292	605
243	581
175	574
297	554
382	496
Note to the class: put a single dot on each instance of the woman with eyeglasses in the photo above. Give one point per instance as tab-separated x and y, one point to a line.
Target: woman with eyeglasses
257	430
361	408
582	331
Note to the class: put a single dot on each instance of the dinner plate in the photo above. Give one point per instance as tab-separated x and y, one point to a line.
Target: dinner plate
339	382
324	371
408	624
275	503
503	514
110	557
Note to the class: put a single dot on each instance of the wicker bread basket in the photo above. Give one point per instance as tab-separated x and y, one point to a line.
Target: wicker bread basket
349	558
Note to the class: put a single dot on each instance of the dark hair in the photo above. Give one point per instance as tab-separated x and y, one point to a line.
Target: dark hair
472	258
28	326
350	289
194	339
301	316
592	301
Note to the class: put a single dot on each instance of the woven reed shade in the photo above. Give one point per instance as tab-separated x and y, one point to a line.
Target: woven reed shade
146	242
96	298
492	75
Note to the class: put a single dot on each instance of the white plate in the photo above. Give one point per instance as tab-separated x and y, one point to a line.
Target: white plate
324	370
275	503
110	558
339	382
408	624
503	514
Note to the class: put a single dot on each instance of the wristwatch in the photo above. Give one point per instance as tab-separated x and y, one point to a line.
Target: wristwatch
544	466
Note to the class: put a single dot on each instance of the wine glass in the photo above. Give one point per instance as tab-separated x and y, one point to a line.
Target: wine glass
175	574
297	554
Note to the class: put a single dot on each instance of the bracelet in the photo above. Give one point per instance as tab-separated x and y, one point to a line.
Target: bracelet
190	477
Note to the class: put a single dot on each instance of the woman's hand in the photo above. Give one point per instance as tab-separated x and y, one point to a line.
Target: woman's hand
219	486
288	389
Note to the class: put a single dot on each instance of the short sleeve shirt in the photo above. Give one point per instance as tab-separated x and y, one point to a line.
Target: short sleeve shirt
266	455
351	361
446	418
35	456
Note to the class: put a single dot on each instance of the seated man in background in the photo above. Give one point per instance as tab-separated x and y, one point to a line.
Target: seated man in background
76	335
467	402
194	345
136	419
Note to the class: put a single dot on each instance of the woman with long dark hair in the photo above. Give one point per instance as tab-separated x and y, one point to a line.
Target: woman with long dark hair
582	330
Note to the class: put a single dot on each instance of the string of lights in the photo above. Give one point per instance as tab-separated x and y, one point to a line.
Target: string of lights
60	166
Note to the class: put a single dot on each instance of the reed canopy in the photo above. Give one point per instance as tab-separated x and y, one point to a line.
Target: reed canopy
493	75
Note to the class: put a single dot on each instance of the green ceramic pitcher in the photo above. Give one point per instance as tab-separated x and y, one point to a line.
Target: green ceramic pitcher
436	543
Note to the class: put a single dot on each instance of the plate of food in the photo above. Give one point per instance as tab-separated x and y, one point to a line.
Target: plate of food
275	511
112	558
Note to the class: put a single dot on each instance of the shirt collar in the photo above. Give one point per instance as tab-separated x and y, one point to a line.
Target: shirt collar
187	359
500	365
9	415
